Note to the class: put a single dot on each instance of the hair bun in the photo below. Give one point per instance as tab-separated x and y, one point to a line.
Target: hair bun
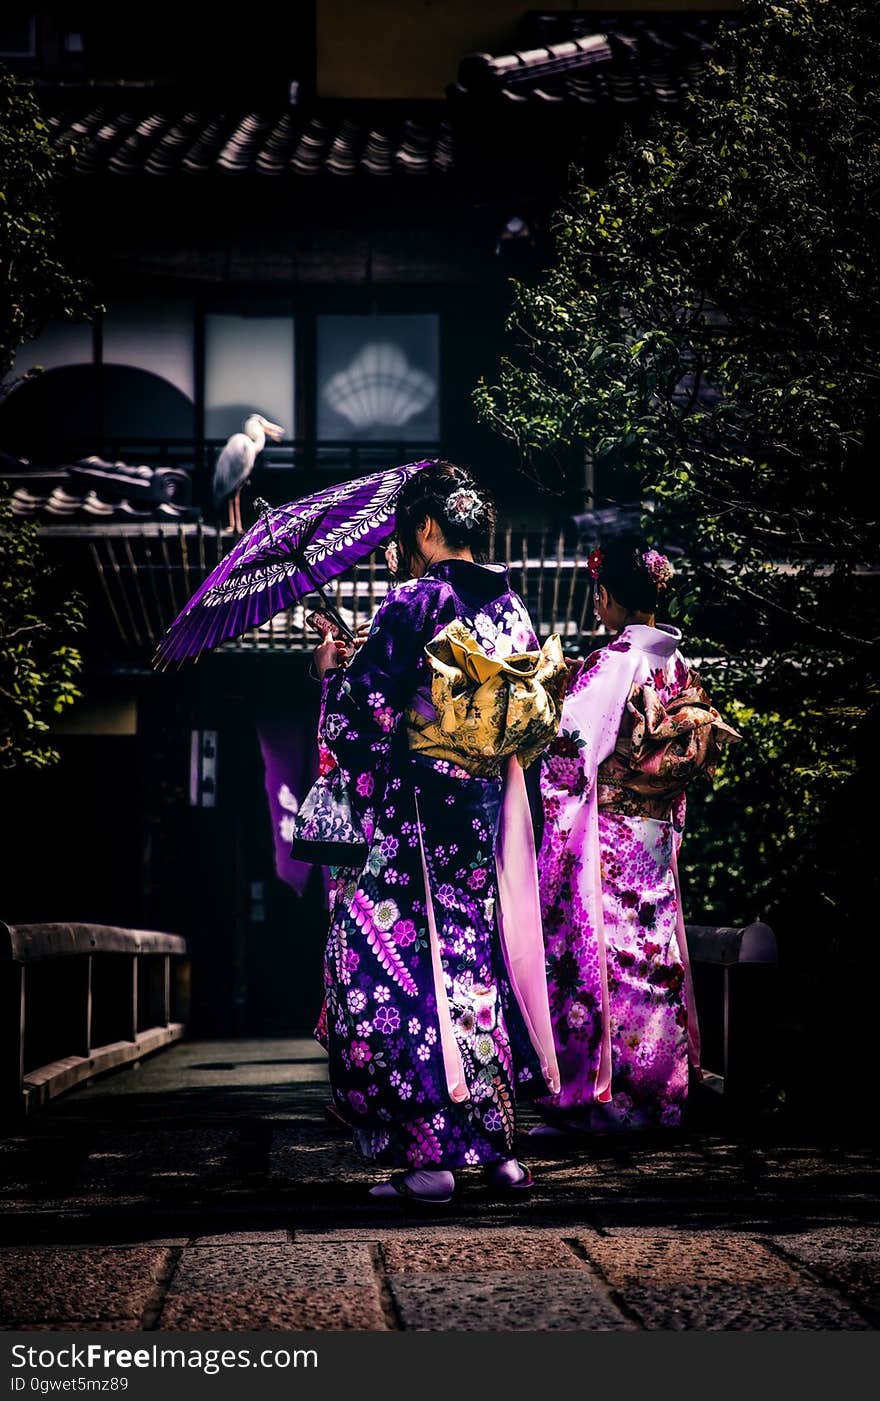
658	566
461	508
632	571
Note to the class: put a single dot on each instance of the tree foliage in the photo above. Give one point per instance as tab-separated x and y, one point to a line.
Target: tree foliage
709	332
37	662
35	285
38	665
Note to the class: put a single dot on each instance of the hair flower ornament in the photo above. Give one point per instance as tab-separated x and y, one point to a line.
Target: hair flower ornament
658	566
392	557
594	563
464	506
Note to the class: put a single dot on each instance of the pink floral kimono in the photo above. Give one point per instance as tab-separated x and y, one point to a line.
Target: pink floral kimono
636	729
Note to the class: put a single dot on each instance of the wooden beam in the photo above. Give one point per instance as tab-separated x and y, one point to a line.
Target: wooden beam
13	989
39	1086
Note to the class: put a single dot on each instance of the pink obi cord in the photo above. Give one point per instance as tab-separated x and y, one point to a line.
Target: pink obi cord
693	1025
586	835
519	919
520	932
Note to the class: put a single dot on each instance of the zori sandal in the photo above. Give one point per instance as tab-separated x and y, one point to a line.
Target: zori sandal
397	1188
500	1183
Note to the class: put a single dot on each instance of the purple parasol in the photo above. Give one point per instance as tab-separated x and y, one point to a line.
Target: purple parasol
291	551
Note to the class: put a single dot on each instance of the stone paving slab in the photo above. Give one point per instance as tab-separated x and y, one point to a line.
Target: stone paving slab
88	1325
630	1255
341	1310
244	1238
439	1277
846	1257
307	1153
712	1280
42	1167
416	1228
16	1161
733	1307
172	1242
67	1285
65	1203
274	1309
508	1252
123	1159
625	1178
504	1301
314	1284
316	1264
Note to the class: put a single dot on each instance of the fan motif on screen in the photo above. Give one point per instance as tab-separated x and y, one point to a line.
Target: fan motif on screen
379	387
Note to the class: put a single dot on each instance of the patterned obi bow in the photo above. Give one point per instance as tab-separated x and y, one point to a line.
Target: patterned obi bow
662	748
484	709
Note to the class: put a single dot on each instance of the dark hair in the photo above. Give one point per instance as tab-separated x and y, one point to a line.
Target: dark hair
623	571
433	492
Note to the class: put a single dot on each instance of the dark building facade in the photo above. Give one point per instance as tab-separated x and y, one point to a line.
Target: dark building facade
314	217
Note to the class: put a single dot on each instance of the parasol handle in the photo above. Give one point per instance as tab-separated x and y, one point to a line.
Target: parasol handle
330	610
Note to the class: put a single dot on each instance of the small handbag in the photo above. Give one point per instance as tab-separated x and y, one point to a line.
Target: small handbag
327	830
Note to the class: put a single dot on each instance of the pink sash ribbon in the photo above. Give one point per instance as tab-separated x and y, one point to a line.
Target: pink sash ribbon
519	919
584	837
693	1025
520	934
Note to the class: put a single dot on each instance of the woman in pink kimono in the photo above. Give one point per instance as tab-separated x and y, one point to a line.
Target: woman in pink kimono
636	729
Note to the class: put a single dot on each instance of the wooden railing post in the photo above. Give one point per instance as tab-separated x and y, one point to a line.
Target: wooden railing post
87	1018
13	1003
181	990
133	1004
726	1029
166	989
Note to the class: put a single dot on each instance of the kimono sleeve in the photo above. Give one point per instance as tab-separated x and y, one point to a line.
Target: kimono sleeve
591	718
363	703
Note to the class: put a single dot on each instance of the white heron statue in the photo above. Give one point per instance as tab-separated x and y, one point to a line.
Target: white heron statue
236	462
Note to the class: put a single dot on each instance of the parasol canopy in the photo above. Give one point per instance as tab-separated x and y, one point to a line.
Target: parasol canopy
291	551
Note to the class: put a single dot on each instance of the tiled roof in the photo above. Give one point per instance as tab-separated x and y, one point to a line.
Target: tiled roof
284	144
93	492
602	66
594	60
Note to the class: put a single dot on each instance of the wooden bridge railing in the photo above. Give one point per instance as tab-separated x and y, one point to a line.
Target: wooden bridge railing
76	999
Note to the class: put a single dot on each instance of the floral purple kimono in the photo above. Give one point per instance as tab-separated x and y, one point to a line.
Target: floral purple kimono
430	1037
620	989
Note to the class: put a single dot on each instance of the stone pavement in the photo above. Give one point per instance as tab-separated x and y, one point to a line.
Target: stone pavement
203	1190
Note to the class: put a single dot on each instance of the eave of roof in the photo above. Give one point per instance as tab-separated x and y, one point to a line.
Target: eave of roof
129	142
592	68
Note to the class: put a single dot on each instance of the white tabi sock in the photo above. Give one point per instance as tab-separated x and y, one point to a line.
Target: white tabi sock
508	1171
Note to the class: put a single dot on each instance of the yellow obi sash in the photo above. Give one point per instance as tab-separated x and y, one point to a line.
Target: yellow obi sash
484	709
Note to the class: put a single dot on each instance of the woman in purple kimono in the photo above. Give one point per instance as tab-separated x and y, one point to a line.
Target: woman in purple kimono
636	729
430	1037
